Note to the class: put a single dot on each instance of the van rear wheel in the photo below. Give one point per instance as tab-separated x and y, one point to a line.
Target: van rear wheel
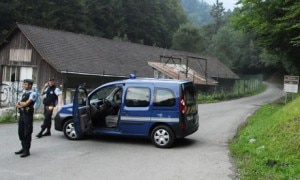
162	136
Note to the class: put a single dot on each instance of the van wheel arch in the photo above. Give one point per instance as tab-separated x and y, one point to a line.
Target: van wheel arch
64	121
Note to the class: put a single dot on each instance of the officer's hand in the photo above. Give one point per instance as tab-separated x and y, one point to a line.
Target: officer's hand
46	85
18	105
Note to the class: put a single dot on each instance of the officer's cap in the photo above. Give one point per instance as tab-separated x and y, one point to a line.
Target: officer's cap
51	79
29	81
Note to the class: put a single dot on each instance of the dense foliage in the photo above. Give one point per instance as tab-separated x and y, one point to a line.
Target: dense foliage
197	11
189	38
148	22
276	26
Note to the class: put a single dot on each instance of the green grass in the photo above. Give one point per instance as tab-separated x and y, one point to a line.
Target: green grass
9	117
268	146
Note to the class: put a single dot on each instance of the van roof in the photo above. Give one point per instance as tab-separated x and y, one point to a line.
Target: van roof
151	80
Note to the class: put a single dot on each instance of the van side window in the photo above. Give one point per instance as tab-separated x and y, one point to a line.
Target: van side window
164	97
137	97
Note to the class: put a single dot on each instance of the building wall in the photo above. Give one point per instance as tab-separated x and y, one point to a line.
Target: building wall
19	60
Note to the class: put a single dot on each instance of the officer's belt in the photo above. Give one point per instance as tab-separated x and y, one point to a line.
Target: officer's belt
26	109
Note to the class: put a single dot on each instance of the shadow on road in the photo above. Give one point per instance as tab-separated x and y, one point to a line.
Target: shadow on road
179	143
184	142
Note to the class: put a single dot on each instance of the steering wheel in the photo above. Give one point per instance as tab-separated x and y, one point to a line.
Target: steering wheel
107	102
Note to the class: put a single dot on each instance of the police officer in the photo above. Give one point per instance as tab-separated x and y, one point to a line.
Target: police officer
51	93
25	124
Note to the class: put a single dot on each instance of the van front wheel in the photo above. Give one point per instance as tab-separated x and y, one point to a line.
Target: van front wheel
162	136
69	130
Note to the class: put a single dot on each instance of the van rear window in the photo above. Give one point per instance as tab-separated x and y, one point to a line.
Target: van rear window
137	97
189	95
164	97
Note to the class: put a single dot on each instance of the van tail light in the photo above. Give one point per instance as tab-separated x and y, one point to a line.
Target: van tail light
182	107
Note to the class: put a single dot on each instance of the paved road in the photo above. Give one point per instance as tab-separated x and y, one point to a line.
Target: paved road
203	155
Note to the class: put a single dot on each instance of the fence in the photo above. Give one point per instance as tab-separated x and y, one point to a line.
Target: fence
235	88
247	84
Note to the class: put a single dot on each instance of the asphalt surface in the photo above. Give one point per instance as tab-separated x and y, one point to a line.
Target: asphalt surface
203	155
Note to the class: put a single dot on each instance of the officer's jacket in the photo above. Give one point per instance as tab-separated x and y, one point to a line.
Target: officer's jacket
25	97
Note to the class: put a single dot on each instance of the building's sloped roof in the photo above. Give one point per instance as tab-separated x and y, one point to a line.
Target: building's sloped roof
178	71
78	53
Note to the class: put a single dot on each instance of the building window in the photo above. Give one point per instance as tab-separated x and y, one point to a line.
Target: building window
23	55
10	73
26	73
16	73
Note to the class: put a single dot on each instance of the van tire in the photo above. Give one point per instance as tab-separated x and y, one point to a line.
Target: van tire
162	136
69	130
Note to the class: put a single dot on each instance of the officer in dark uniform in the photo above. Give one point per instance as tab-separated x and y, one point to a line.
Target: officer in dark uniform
25	124
51	93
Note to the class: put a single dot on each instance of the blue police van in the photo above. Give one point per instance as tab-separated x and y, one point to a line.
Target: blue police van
161	109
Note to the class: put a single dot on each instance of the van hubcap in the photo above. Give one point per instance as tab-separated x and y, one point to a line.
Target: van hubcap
70	130
161	137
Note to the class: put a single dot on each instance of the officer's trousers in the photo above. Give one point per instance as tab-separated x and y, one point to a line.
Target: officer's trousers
25	129
48	116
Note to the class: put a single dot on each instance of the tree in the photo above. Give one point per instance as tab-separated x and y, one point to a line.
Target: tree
217	12
197	11
276	26
67	15
148	22
189	38
107	17
237	50
7	16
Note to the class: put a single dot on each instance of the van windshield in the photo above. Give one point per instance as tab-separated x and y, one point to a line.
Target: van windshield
102	93
189	96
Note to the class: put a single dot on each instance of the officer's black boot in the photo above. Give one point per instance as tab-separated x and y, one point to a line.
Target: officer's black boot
40	134
21	151
25	153
47	133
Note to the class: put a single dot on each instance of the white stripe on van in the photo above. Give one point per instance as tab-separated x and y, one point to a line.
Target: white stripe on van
162	119
155	119
134	118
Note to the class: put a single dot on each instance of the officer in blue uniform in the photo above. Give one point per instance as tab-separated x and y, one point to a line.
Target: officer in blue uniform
51	93
25	124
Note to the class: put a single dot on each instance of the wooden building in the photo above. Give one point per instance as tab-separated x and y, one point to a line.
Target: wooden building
40	53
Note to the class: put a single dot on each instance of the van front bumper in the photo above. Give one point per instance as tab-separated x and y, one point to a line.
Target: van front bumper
58	120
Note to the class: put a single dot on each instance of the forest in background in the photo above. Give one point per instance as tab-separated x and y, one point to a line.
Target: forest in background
259	36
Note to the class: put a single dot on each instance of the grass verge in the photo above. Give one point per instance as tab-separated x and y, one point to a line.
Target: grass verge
10	117
268	146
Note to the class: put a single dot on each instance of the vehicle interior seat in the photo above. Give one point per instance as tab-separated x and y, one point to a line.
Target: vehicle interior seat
111	121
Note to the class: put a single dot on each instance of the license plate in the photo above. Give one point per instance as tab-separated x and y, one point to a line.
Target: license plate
189	118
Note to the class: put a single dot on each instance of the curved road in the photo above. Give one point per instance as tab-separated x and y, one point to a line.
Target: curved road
203	155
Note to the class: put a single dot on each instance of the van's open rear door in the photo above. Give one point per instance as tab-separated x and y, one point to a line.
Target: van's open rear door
191	106
81	111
